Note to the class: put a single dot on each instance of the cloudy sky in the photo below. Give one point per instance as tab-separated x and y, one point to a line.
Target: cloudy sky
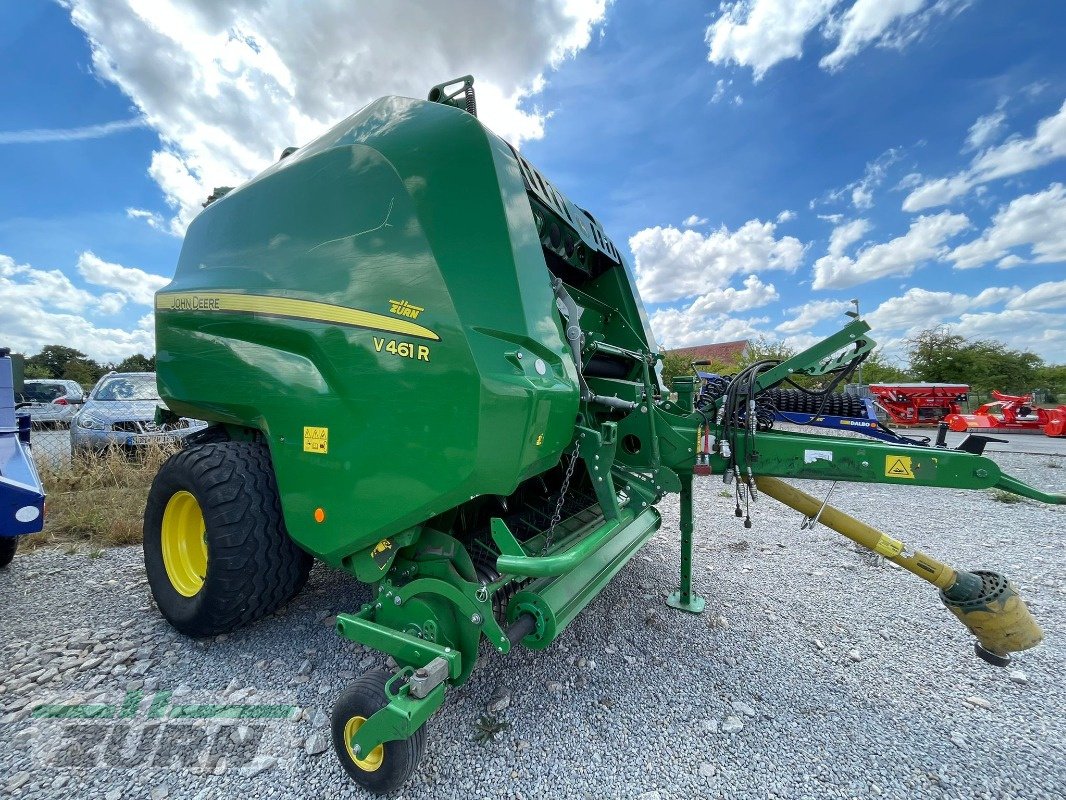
766	161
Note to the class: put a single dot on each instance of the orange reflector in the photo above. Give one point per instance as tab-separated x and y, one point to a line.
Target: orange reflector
320	515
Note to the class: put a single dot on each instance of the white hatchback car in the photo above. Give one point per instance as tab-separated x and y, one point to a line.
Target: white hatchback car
50	400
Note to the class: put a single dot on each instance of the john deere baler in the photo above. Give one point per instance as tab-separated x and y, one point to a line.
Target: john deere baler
426	366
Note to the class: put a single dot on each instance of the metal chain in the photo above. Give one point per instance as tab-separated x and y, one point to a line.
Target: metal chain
558	515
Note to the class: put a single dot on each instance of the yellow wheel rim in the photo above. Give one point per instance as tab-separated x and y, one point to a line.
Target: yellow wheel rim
184	545
373	761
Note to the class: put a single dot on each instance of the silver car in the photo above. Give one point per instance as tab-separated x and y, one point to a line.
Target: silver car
51	401
121	411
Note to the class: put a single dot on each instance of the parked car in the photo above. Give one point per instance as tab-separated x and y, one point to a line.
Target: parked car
50	401
121	411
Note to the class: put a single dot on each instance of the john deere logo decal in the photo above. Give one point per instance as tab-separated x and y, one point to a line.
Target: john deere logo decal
258	305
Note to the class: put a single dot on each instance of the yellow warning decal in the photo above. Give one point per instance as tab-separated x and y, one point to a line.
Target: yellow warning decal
888	547
898	467
382	553
316	440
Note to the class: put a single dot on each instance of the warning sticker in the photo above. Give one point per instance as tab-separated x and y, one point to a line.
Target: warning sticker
382	553
316	440
898	467
888	547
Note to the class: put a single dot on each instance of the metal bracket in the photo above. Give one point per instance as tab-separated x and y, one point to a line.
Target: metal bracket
428	678
809	523
404	714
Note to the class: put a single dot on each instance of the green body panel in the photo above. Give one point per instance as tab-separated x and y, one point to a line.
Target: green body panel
405	201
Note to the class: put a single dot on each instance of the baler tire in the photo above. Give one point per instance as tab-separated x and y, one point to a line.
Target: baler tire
8	546
397	760
252	566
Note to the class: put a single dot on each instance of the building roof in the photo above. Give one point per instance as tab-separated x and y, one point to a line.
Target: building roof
720	353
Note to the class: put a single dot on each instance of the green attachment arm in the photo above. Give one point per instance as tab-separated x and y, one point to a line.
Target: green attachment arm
819	358
1012	484
401	646
834	458
399	719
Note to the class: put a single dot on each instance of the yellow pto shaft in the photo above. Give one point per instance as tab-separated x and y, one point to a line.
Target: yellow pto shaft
985	602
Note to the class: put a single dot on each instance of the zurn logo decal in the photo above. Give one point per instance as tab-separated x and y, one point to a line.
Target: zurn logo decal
415	352
149	731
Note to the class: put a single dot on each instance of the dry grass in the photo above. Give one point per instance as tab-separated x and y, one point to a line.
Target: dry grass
97	500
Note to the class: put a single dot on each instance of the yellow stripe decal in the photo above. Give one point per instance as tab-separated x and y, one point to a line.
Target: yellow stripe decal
290	308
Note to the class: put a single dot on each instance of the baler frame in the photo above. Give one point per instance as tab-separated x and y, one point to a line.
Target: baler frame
293	323
767	456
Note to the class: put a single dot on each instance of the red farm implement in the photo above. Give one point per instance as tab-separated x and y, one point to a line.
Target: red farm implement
919	403
1007	412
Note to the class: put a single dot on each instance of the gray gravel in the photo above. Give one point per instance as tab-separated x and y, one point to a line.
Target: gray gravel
814	672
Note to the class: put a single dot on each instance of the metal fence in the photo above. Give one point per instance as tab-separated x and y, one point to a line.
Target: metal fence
128	426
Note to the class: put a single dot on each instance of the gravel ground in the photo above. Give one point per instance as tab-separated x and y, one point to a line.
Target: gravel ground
814	672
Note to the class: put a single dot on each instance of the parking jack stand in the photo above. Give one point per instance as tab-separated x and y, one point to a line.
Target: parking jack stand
683	598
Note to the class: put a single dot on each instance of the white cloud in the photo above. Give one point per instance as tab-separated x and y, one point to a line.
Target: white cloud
723	301
924	241
1036	221
152	218
986	129
694	221
227	86
675	327
762	33
810	314
938	192
918	309
111	302
865	22
672	264
41	307
1014	156
134	284
844	236
21	285
38	135
786	216
1019	324
1051	294
709	318
1020	329
860	193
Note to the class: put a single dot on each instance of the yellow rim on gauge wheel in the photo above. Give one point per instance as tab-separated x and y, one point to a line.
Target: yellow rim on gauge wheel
377	755
184	546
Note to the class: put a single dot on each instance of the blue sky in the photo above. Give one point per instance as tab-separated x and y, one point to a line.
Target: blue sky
765	161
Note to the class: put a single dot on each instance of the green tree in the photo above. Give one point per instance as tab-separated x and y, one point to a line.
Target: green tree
1052	379
36	371
136	363
675	364
763	349
877	368
83	370
939	356
54	358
